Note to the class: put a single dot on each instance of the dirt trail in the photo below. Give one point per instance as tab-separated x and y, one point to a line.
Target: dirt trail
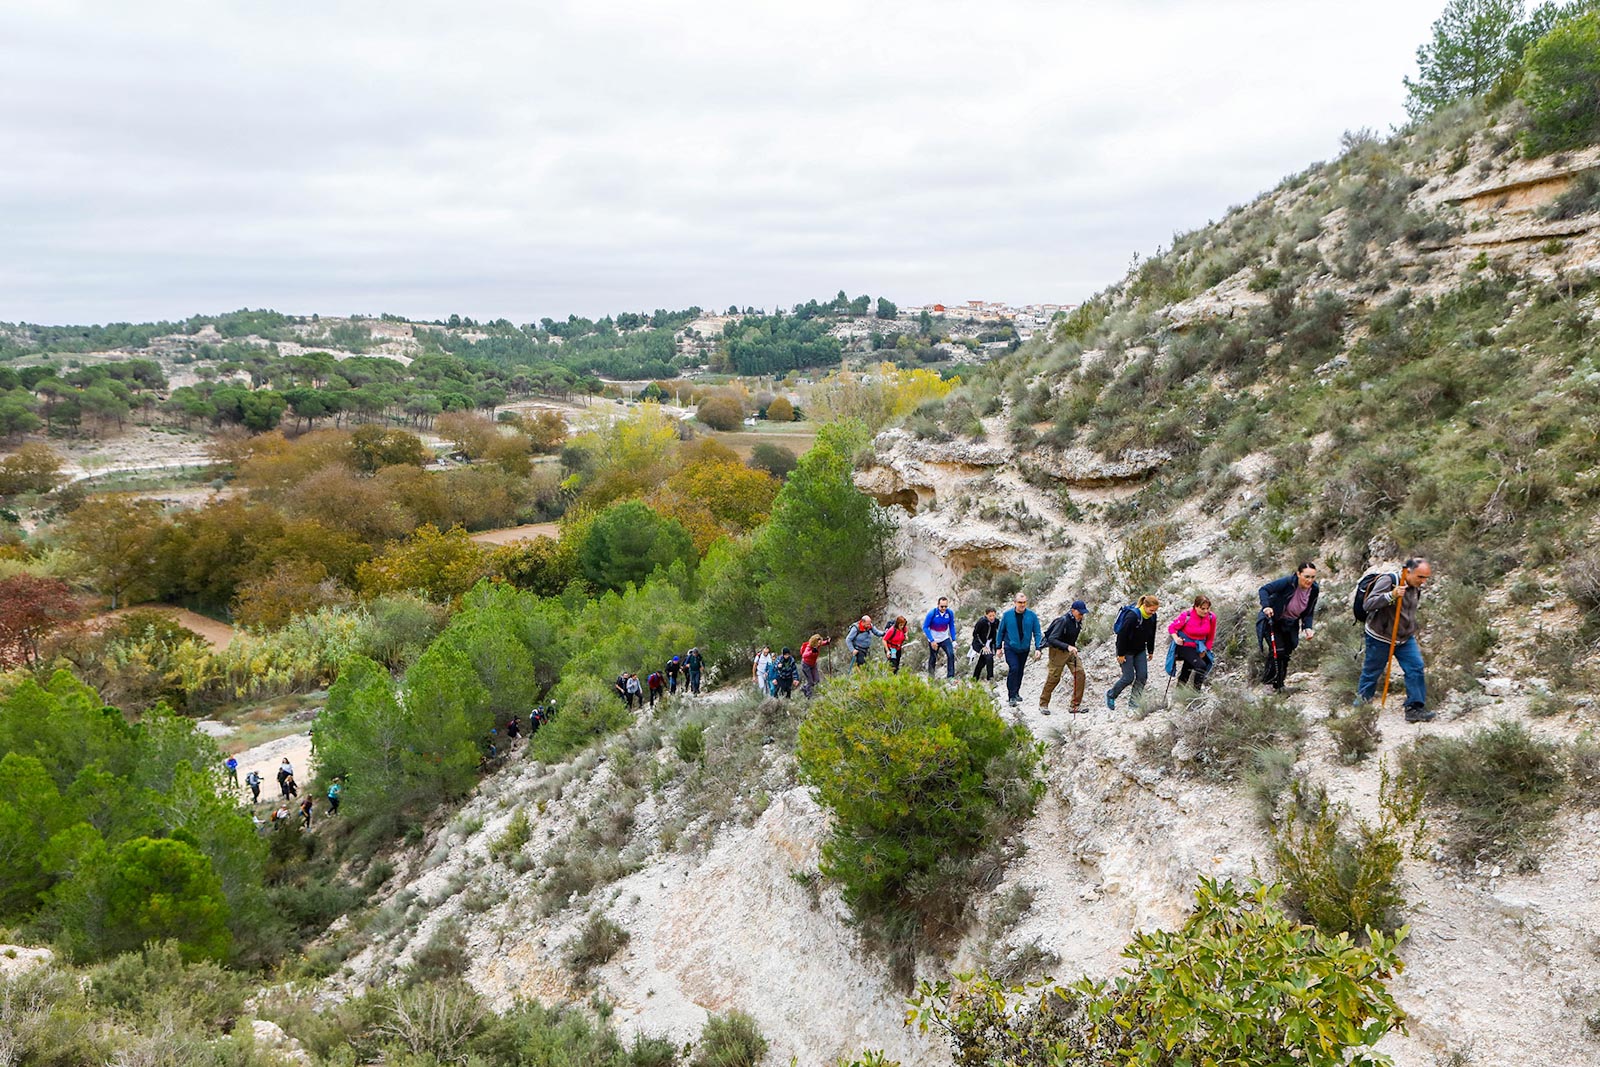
265	759
216	634
507	535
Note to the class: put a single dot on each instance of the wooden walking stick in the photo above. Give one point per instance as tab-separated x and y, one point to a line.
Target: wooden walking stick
1394	635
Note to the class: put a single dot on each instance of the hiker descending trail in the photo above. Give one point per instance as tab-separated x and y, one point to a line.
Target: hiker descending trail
1387	604
1288	616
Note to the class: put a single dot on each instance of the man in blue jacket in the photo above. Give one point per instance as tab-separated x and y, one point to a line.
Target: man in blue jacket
1288	613
1019	632
939	627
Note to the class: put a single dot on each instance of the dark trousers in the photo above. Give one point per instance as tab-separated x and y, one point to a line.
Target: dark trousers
653	694
694	682
1135	672
985	663
785	687
1287	633
255	791
895	655
1194	665
1016	660
948	646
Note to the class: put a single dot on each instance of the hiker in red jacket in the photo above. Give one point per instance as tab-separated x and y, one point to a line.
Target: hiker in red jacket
810	653
894	641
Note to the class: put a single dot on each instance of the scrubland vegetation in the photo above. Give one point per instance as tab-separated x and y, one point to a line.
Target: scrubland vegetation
1391	397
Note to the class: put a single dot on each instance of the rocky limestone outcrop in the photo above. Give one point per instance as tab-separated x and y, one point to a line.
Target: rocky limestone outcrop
1086	469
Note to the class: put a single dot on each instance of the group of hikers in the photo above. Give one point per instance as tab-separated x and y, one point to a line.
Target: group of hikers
288	790
686	670
1384	602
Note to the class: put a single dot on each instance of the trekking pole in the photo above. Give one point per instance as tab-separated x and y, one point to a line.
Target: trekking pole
1394	636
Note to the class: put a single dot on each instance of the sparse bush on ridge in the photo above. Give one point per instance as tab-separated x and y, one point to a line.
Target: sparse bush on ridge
1502	785
1342	878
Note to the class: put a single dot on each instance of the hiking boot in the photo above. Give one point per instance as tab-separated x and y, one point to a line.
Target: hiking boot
1044	709
1111	701
1074	711
1418	713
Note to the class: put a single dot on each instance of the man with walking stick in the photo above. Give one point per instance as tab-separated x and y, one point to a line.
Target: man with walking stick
1390	610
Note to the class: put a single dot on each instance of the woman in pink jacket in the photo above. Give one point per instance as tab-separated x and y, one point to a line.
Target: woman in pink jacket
1195	633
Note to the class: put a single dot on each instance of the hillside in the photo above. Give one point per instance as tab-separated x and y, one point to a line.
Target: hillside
498	862
1390	353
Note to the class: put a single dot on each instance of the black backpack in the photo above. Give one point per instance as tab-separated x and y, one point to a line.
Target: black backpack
1358	603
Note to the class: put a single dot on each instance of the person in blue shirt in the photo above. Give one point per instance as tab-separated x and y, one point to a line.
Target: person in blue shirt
939	627
1019	634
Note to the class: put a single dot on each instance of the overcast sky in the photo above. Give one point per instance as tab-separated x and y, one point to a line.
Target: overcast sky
167	157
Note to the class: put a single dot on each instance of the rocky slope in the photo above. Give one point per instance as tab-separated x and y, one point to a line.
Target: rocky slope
1429	265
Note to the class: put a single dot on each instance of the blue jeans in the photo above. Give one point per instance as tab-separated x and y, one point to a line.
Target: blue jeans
1135	672
1016	659
949	646
1407	654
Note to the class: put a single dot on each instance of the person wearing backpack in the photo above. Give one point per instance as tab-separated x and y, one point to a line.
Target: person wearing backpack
674	667
860	640
894	641
810	657
1194	635
1061	636
656	684
1387	604
694	663
784	674
1136	643
939	627
1019	634
1288	616
985	634
253	780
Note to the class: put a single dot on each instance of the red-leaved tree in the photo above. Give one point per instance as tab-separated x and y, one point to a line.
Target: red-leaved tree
30	608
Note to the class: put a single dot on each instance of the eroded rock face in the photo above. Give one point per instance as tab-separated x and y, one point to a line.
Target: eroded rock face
898	446
1085	469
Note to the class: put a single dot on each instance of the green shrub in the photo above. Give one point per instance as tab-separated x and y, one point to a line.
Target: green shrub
156	982
1355	732
1239	983
920	779
442	958
1141	563
1562	87
515	835
1348	882
731	1040
1216	735
599	941
690	742
1504	787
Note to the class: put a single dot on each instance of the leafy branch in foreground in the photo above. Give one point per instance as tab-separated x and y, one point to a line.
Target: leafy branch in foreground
1240	983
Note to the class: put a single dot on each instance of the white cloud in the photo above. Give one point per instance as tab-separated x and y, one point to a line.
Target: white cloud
172	156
